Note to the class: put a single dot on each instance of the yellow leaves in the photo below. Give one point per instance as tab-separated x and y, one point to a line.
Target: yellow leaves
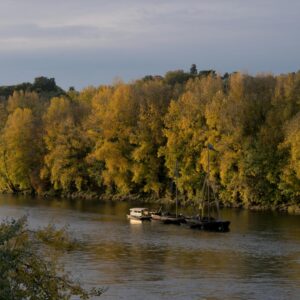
228	165
214	111
204	88
102	98
290	173
117	166
186	131
236	83
284	87
21	99
147	137
116	110
58	111
127	137
20	146
20	123
292	142
66	146
141	152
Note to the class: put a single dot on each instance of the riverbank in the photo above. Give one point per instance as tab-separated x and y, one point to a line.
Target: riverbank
290	208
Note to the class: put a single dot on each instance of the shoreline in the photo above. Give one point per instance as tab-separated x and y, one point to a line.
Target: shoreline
290	208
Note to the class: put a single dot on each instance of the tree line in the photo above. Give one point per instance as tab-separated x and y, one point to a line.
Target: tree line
124	139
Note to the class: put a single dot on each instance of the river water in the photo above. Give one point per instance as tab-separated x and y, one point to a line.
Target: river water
258	259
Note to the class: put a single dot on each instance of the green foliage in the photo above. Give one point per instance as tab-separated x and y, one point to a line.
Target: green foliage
42	85
3	115
205	73
176	77
193	69
25	273
6	91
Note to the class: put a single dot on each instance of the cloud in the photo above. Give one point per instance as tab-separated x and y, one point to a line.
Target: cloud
57	24
33	36
130	38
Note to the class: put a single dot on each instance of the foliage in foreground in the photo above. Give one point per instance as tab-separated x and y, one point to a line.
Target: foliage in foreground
28	271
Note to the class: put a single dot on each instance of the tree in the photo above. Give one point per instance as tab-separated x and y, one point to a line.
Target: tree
44	84
246	141
21	150
147	167
66	146
193	70
25	273
176	77
3	114
126	138
205	73
116	113
186	133
290	175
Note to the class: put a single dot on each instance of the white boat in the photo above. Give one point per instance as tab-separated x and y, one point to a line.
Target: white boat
139	213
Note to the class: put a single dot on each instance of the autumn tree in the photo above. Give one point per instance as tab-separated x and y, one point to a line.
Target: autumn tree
66	146
116	111
30	100
128	138
186	133
148	167
21	150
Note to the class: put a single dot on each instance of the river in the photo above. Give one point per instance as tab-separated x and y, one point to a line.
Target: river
258	259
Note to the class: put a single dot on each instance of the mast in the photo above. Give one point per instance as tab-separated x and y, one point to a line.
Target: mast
206	186
208	170
211	147
176	191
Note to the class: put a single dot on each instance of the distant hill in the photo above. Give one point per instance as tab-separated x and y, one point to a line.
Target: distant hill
44	86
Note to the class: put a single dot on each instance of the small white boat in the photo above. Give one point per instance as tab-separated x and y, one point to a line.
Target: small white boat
139	213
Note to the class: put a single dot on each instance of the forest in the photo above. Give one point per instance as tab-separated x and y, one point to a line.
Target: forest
126	138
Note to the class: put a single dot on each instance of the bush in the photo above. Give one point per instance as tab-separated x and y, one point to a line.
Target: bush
26	272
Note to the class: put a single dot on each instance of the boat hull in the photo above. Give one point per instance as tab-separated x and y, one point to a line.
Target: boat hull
213	225
168	219
141	218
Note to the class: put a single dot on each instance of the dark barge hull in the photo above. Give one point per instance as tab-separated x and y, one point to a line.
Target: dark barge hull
216	226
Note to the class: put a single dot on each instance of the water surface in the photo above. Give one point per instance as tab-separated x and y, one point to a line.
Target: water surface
258	259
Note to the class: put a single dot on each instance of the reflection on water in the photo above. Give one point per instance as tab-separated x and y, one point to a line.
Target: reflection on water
258	259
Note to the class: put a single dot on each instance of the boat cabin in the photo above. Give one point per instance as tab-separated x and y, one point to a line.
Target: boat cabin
139	212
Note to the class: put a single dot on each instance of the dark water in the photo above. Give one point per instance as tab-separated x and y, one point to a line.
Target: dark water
258	259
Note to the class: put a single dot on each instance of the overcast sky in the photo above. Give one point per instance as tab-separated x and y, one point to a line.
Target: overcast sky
91	42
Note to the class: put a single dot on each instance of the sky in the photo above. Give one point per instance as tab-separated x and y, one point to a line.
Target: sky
94	42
